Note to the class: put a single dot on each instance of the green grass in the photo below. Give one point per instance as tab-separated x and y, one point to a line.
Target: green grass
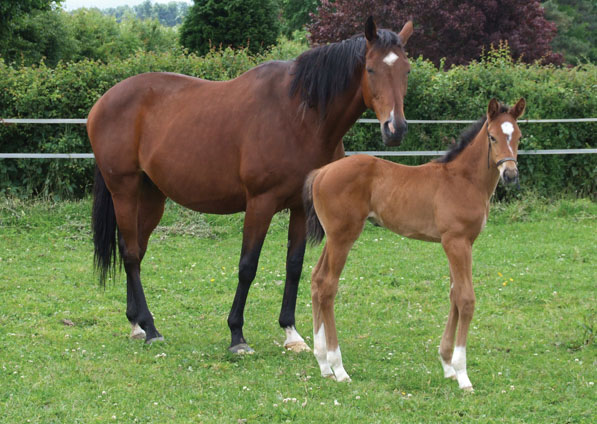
531	353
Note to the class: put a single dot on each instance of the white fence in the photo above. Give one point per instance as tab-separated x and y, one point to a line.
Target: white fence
363	121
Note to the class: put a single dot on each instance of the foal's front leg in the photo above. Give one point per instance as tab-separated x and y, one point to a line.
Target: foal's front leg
462	299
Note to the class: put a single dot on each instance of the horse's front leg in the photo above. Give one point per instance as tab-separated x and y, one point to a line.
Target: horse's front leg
294	266
462	298
258	216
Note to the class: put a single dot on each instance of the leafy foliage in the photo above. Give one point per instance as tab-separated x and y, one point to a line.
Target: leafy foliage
577	28
168	14
458	31
296	14
56	35
235	23
69	91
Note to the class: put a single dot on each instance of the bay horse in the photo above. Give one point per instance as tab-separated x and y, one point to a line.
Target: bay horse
444	201
223	147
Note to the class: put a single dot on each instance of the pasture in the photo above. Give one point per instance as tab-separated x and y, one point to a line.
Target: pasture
65	355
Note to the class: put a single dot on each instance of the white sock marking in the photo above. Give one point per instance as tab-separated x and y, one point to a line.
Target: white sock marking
335	360
459	364
137	332
390	58
320	351
292	336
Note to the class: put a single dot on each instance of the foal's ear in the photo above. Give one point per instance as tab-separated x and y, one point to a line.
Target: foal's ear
406	32
518	109
370	30
493	110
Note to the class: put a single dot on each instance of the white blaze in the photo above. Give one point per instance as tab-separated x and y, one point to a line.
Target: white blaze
390	58
508	129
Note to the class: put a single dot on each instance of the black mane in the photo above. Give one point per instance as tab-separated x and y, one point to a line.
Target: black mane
465	138
323	72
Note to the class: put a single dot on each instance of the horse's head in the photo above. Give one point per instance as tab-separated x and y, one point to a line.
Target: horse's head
385	78
504	136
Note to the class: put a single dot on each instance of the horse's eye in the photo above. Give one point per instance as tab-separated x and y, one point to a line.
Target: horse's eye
492	138
370	70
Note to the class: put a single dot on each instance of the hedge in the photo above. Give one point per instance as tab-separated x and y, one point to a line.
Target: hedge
69	90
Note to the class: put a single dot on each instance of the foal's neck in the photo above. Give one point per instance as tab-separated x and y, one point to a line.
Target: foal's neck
475	164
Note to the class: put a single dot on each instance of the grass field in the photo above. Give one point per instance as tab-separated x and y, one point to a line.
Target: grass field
532	355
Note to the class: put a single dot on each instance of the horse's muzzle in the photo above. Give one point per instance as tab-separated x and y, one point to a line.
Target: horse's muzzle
510	175
393	132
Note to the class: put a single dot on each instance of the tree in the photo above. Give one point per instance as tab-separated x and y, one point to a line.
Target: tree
577	28
296	14
236	23
458	30
11	11
41	34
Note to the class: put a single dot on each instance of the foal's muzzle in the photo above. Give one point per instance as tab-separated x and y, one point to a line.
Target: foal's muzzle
509	173
393	132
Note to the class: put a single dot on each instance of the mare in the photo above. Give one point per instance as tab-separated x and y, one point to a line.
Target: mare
444	201
230	146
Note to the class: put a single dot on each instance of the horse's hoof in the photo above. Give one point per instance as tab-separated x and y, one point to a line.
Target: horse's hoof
297	347
241	349
137	333
468	389
154	339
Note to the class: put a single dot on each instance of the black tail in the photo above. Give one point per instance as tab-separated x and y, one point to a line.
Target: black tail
315	231
104	229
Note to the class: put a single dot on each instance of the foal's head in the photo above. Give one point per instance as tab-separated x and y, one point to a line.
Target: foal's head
504	136
385	77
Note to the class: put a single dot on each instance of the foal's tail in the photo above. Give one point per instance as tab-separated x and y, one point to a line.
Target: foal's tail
315	231
104	229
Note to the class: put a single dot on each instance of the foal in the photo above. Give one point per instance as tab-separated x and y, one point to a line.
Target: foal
444	201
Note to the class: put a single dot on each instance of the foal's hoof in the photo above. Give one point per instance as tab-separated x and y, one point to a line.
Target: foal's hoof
154	339
297	347
241	349
468	389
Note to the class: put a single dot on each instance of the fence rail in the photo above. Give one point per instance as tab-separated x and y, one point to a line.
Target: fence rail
362	121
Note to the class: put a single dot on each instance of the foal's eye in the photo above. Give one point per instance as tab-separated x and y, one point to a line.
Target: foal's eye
492	138
370	70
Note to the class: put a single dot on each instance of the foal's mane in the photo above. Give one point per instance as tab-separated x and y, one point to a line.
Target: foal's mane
466	137
324	72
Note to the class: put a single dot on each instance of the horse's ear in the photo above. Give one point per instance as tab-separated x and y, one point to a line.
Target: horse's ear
493	110
518	109
406	32
370	30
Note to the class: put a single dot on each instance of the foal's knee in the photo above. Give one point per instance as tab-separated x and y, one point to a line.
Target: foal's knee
466	307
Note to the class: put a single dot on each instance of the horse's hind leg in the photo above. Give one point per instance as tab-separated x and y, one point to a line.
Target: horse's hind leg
294	266
462	306
150	210
126	197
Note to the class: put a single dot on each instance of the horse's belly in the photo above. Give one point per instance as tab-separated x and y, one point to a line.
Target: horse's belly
199	186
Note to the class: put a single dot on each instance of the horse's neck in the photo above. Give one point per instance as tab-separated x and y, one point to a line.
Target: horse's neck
343	112
474	163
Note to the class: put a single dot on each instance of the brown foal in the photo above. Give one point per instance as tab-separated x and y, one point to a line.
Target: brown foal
444	201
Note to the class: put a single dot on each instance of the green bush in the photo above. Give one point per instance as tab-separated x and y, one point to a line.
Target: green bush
233	23
69	91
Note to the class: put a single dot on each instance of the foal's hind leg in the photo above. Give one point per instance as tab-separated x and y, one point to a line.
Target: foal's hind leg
126	206
150	210
324	287
462	298
294	266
